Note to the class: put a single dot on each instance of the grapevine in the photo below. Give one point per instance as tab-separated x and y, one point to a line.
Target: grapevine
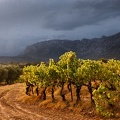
101	78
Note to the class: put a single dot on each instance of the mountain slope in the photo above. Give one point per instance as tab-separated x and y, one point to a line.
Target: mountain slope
104	47
96	48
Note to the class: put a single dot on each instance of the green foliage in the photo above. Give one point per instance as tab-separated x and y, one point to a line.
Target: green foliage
53	72
9	73
103	98
107	95
67	66
42	74
102	78
3	74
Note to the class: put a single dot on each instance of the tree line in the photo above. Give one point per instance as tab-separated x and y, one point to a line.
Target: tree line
9	73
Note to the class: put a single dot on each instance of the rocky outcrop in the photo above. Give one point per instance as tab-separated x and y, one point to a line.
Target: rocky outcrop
105	47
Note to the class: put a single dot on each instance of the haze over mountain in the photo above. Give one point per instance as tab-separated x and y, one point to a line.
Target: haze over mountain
24	22
107	47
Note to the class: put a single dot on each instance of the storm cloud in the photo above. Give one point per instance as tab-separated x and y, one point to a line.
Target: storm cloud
24	22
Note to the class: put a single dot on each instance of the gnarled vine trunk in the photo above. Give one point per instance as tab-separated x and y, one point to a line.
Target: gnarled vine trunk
44	93
70	90
61	92
53	97
78	88
90	91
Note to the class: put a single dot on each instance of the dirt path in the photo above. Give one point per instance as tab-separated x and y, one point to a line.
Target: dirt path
11	109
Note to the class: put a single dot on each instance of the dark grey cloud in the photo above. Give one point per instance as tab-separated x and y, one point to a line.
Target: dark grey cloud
23	22
84	12
58	15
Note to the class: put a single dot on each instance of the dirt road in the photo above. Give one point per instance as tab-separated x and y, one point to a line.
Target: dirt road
12	109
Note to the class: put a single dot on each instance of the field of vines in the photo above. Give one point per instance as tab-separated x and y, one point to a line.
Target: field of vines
101	77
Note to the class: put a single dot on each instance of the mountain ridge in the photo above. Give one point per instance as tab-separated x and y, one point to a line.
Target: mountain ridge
107	47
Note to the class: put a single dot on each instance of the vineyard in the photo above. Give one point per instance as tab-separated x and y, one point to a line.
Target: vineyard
100	77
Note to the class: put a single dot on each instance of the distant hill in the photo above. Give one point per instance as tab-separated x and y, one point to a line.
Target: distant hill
105	47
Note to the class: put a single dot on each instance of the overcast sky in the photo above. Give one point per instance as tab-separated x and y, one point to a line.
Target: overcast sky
24	22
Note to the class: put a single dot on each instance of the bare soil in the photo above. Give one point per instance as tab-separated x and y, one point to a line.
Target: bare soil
16	105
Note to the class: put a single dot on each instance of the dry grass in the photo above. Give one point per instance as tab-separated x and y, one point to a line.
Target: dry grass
58	103
83	107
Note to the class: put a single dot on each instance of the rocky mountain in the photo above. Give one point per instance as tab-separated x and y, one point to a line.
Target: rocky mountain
105	47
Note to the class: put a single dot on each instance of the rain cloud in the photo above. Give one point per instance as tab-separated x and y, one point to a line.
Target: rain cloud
24	22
